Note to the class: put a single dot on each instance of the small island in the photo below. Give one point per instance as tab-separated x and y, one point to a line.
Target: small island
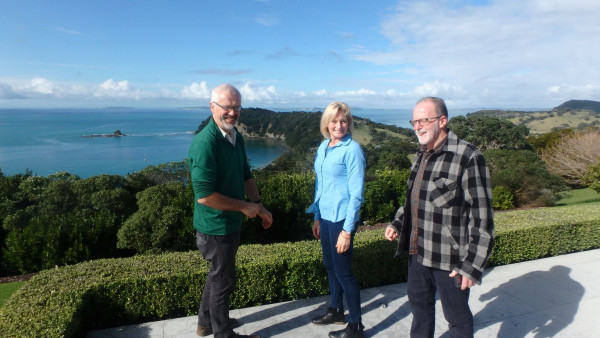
117	133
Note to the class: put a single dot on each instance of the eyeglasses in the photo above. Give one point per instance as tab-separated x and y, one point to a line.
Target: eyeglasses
237	109
424	121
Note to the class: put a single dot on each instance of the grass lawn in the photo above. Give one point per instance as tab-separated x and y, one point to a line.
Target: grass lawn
7	289
578	196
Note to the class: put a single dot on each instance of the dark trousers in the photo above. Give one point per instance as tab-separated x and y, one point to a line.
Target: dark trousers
339	270
423	282
220	251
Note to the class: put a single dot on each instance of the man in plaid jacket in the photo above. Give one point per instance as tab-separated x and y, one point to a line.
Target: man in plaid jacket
446	224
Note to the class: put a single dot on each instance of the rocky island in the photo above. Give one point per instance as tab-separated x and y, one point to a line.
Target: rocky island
117	133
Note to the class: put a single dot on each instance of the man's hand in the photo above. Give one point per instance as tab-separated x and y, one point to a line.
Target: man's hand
251	209
267	218
316	229
390	234
463	281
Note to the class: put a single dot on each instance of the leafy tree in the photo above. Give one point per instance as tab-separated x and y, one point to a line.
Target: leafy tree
490	133
62	219
384	195
524	174
50	240
592	177
163	221
287	196
390	153
548	140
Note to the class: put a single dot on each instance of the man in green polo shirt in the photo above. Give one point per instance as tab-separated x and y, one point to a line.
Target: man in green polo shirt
221	179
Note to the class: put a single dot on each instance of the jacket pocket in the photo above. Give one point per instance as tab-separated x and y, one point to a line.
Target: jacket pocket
444	193
448	234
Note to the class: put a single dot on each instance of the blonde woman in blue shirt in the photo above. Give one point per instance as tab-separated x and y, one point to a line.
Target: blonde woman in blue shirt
340	168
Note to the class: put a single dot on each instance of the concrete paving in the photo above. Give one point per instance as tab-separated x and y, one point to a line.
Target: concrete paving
550	297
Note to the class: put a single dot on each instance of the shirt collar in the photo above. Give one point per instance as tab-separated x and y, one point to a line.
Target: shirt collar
344	141
231	134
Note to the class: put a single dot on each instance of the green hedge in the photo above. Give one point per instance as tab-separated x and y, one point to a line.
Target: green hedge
71	300
524	235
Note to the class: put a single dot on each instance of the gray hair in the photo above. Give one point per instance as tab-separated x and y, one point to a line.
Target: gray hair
440	105
214	96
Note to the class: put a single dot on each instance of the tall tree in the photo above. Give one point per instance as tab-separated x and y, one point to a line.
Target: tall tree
490	132
573	154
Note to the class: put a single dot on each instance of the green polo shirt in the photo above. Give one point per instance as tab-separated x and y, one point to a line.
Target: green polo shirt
217	166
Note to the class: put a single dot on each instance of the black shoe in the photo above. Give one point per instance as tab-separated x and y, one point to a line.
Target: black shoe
204	331
351	331
245	336
332	316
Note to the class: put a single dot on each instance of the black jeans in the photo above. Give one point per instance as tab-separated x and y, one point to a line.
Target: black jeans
423	282
220	251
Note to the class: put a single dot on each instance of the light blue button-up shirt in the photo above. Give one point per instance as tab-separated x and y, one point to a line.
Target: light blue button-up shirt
340	182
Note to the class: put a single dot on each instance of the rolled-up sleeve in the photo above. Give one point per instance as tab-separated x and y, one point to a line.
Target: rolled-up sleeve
202	162
355	162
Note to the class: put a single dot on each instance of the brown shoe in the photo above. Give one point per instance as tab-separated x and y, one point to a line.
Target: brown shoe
245	336
204	331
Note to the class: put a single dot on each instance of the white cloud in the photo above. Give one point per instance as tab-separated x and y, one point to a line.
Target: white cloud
42	86
253	93
501	47
566	92
7	92
111	89
196	91
266	20
439	89
359	92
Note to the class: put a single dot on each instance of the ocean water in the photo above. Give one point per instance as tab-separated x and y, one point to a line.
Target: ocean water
47	141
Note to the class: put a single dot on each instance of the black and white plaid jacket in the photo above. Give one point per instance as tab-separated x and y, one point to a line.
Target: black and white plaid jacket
456	225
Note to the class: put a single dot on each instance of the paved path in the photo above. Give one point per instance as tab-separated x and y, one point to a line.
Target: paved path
550	297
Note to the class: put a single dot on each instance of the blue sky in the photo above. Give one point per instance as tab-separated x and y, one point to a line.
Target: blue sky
299	54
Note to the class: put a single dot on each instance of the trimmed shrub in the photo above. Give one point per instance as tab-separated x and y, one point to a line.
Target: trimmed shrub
69	301
502	198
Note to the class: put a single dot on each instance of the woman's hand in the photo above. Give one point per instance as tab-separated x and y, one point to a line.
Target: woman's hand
343	242
317	229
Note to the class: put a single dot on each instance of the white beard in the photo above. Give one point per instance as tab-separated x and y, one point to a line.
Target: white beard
428	136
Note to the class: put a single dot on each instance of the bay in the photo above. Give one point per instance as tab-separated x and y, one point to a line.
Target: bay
47	141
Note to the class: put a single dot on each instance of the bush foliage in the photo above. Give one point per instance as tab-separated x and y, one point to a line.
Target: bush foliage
62	219
71	300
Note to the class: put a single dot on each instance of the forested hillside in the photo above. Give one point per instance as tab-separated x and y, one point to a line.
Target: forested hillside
385	146
579	104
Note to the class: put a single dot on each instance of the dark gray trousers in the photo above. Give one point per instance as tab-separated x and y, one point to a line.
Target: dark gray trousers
220	251
423	283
